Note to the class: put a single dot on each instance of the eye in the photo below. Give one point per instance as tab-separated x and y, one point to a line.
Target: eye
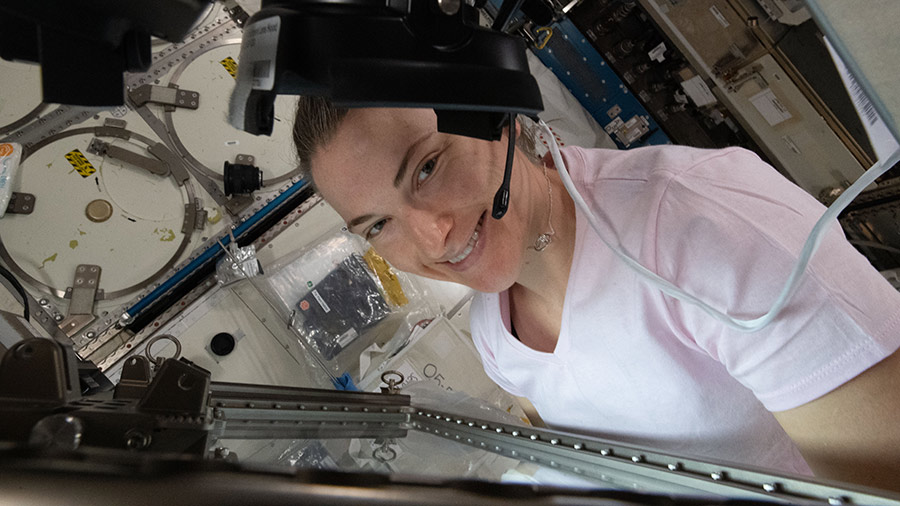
375	229
425	171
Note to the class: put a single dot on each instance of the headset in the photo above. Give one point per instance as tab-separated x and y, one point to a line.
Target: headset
379	53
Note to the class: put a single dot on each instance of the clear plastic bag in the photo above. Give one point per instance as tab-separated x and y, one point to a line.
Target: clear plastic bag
237	264
339	297
445	358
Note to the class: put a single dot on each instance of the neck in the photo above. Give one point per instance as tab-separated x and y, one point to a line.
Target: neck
546	273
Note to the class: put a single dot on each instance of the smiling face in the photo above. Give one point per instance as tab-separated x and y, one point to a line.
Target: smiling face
423	198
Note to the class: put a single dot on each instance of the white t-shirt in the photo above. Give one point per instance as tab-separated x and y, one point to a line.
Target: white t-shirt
634	365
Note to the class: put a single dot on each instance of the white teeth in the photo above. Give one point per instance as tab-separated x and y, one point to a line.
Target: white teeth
469	247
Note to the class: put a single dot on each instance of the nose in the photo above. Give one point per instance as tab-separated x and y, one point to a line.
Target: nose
430	229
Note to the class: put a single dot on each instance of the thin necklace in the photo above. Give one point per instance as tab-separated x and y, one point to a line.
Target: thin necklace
545	239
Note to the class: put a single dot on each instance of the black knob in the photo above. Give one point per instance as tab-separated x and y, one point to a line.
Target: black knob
222	344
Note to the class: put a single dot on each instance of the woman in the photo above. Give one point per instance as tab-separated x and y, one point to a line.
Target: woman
561	321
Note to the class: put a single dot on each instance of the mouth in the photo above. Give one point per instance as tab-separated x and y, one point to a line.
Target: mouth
460	261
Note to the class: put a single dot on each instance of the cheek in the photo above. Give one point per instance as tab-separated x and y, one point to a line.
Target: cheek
399	256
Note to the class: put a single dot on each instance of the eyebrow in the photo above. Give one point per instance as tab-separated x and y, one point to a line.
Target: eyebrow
359	219
398	179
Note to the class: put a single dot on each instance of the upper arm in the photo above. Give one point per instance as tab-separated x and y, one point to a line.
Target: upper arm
853	433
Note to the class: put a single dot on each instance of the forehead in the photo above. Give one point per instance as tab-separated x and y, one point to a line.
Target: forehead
365	153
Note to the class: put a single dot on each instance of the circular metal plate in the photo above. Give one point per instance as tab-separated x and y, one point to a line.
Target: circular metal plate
21	98
140	235
99	210
206	134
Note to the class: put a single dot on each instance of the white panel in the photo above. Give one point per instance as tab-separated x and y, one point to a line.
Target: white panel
258	357
803	143
209	137
20	90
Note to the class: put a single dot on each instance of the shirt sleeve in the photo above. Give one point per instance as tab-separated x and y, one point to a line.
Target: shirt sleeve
729	230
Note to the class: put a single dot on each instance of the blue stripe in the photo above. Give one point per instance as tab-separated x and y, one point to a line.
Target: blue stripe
211	253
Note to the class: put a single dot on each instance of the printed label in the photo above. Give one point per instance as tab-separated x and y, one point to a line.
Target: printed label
80	163
231	66
347	337
719	16
259	51
883	141
321	301
770	107
6	149
699	92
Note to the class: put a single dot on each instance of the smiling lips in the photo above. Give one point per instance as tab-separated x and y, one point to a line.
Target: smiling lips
470	246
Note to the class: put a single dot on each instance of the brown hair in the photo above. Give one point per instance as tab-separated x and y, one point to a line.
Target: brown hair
317	120
315	123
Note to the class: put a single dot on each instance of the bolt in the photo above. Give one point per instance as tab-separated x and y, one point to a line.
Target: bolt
58	317
137	440
90	335
770	487
717	476
44	302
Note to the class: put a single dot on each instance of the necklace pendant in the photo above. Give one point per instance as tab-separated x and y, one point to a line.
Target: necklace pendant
542	242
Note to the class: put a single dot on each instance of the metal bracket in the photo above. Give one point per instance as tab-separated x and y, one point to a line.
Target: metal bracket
201	215
135	379
155	166
235	12
238	203
190	218
243	159
84	291
165	95
21	203
179	172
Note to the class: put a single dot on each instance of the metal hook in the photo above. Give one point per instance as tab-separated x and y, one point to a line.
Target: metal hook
392	379
158	361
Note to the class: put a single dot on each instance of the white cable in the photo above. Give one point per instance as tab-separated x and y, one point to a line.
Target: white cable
809	248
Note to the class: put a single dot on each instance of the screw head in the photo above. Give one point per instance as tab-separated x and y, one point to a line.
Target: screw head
58	317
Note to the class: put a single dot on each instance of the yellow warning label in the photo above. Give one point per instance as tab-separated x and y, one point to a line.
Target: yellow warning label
230	65
80	163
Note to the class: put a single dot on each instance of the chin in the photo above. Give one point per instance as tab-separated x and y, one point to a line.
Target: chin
494	283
